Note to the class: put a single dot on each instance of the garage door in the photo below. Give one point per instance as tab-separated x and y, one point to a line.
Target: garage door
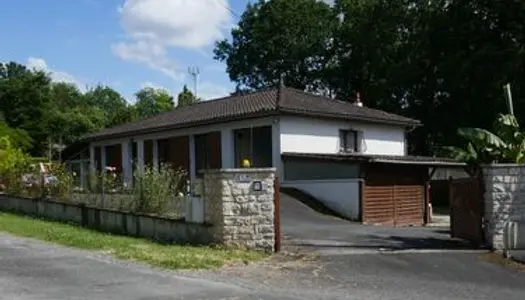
393	197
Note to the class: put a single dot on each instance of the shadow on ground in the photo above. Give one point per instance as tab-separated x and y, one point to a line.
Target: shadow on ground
387	243
304	226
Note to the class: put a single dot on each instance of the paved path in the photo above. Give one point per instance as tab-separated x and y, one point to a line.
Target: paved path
32	270
308	229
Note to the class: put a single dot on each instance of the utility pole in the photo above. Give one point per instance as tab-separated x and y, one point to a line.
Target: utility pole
194	72
508	96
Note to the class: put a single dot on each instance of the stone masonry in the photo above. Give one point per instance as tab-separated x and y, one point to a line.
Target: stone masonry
242	216
504	201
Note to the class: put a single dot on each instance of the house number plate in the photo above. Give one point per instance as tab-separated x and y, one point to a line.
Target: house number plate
242	178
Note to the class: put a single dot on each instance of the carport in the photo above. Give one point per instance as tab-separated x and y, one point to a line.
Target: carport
387	190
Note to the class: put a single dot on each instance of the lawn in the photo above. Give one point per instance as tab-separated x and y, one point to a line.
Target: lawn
166	256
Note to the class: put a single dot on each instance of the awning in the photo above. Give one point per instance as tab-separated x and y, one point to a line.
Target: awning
385	159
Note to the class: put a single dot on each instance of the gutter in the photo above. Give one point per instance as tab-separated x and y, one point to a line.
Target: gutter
432	163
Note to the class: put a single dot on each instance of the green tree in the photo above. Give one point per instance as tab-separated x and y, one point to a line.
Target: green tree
69	115
19	138
186	97
24	94
151	102
116	110
280	37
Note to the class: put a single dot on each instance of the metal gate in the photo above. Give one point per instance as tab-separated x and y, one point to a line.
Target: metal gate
466	210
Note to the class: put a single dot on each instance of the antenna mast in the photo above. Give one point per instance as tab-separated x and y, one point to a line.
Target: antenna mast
194	72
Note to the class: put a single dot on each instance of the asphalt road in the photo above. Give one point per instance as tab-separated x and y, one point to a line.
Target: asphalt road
33	270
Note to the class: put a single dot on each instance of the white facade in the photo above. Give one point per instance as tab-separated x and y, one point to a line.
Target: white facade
318	136
340	195
310	135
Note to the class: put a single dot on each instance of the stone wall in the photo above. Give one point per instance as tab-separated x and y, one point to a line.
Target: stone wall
504	206
107	220
242	215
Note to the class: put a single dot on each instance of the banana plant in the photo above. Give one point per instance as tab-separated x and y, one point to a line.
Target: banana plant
506	144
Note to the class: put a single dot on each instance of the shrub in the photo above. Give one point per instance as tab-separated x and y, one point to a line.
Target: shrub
14	164
58	183
154	190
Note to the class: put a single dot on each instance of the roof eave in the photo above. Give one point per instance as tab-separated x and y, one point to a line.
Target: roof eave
95	137
410	122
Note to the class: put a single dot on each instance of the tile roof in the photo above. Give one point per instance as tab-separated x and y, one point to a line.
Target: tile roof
282	100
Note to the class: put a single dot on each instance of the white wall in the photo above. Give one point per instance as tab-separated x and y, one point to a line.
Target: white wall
310	135
340	195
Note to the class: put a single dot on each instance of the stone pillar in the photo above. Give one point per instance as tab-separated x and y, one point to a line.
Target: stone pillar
127	163
239	204
504	202
155	154
227	149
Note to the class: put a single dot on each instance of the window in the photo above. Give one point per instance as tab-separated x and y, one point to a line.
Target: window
207	152
348	141
254	144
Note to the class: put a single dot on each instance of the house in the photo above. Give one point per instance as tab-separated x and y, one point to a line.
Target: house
352	158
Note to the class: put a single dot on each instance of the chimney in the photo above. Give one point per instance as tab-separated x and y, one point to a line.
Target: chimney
358	102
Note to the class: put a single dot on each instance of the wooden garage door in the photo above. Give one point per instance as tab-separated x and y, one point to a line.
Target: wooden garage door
393	196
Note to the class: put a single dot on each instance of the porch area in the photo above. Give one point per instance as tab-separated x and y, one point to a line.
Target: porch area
191	150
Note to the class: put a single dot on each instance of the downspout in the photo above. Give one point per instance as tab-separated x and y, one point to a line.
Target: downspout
428	203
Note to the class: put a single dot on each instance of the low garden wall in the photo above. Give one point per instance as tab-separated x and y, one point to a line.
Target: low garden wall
113	221
237	206
504	214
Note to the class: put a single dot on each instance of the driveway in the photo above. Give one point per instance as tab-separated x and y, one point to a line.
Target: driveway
304	227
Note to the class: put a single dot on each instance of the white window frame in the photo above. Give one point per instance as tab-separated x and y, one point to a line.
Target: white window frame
344	146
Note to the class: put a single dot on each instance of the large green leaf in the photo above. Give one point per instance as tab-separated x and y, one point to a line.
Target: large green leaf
482	138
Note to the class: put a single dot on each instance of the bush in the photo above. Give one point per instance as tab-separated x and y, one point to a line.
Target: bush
14	164
58	183
154	190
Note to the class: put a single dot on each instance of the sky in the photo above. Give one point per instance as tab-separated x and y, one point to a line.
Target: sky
125	44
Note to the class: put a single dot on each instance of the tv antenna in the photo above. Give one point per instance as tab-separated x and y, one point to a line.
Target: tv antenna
194	72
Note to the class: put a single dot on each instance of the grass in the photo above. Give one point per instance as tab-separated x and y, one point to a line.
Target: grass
141	250
504	262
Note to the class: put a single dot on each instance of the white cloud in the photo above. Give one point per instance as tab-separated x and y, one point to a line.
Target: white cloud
209	91
149	84
152	55
40	64
153	26
178	23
